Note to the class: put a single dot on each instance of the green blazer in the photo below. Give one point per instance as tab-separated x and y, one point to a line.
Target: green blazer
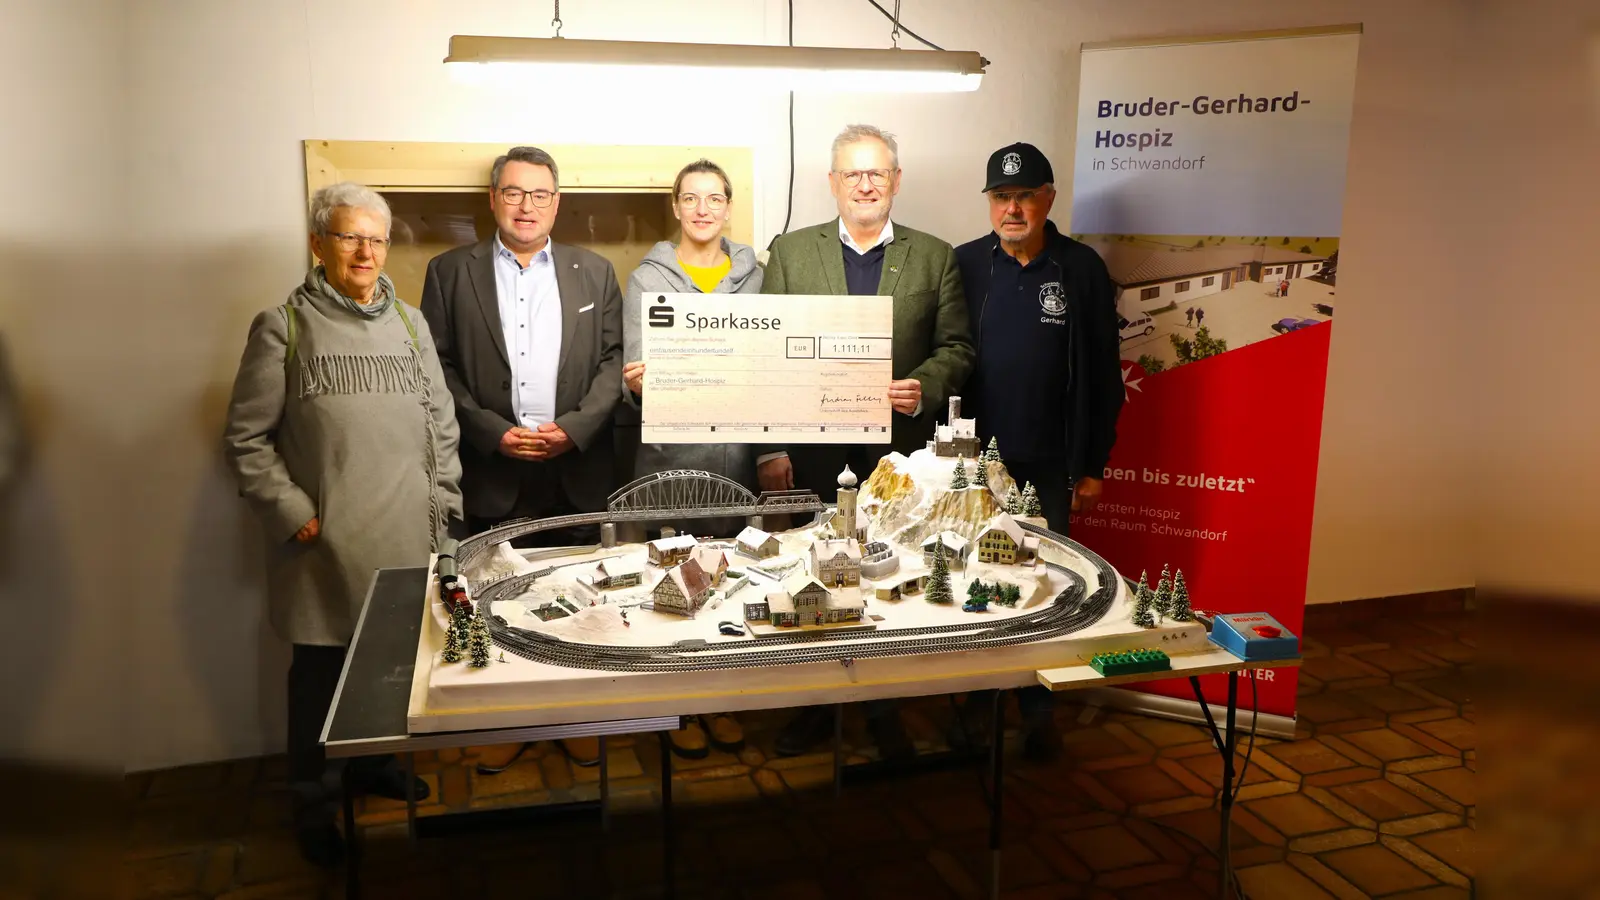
932	339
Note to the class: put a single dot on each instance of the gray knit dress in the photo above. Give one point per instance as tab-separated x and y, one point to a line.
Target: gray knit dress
357	430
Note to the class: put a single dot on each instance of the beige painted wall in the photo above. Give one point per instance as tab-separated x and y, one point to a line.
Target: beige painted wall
1537	487
224	92
60	218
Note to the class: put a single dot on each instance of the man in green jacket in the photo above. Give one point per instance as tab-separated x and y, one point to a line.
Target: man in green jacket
863	252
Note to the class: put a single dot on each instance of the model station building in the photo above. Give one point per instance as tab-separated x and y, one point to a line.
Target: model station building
806	601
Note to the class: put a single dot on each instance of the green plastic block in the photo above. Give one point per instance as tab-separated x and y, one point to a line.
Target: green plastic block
1129	662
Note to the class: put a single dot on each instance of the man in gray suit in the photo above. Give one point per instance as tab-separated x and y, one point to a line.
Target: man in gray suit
530	339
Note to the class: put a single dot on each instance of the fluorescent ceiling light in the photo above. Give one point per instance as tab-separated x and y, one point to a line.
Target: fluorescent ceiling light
746	66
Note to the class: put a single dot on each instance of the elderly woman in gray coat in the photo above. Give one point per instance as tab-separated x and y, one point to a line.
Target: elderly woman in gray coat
706	262
342	435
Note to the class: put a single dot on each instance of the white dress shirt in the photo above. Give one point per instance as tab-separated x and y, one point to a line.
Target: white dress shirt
530	318
885	236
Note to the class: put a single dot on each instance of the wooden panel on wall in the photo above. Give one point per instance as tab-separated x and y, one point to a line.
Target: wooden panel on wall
442	168
620	227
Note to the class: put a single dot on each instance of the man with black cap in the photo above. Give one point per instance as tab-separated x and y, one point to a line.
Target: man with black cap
1048	381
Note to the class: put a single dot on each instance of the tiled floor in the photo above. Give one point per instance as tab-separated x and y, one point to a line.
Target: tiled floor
1377	796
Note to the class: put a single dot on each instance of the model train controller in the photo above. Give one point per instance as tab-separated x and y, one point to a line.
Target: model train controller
1252	636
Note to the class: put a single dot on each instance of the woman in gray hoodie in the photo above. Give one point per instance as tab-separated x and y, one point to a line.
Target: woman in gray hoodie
701	261
706	262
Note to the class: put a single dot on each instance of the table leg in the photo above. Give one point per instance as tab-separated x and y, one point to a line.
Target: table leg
352	839
411	798
605	786
667	836
1224	887
1225	741
838	750
1205	710
997	757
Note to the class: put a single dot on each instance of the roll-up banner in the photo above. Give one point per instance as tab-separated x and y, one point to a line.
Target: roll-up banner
1209	174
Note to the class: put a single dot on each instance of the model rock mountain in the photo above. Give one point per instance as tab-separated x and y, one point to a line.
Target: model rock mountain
909	498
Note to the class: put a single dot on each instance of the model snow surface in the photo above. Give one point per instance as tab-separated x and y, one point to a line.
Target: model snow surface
853	583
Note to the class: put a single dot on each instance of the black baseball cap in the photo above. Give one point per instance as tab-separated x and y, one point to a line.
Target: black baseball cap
1019	165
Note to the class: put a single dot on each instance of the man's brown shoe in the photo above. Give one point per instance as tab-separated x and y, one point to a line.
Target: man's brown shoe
689	741
724	732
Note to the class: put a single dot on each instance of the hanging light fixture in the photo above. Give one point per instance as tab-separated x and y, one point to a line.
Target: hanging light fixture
744	66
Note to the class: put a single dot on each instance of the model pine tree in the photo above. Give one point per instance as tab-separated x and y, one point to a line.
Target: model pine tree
1013	502
991	454
958	481
455	637
1143	604
478	642
939	580
1164	593
1178	609
1030	500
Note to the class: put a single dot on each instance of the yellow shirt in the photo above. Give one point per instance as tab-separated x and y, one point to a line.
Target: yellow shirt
706	278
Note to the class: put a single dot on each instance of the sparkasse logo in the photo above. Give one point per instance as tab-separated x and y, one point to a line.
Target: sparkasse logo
661	315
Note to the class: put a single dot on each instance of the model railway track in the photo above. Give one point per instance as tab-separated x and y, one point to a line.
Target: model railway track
1072	610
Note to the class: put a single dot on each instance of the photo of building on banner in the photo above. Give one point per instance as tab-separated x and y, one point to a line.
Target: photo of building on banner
1209	176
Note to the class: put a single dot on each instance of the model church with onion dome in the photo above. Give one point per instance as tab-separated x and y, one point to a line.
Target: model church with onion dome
845	523
830	593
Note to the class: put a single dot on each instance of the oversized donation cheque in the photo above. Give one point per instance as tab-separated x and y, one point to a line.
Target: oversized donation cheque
762	368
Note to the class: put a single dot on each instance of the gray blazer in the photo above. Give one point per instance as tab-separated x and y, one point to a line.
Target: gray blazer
463	312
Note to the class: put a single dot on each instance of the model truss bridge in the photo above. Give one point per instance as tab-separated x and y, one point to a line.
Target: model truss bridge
673	494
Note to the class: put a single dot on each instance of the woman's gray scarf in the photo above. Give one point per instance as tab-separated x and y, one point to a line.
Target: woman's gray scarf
317	286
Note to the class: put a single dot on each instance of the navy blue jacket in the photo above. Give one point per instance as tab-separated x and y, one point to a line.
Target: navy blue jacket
1095	397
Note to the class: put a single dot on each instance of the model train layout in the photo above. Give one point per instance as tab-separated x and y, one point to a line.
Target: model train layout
936	556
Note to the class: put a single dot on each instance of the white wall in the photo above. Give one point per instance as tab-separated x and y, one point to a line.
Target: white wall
224	93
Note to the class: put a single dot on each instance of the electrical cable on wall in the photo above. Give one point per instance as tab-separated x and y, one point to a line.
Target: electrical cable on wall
789	206
894	17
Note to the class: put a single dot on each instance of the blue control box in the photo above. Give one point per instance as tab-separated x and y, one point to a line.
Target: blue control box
1254	636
